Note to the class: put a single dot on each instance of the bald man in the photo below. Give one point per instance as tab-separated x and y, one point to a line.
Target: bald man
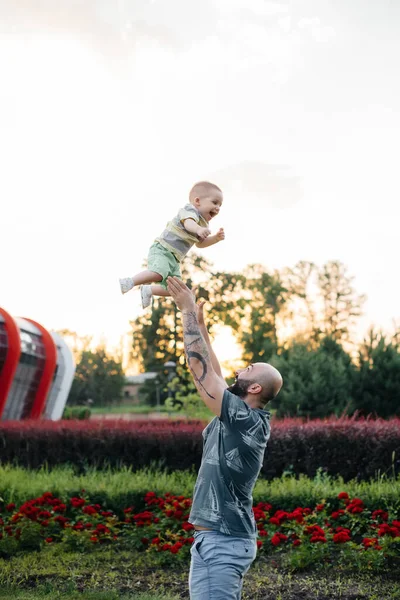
234	444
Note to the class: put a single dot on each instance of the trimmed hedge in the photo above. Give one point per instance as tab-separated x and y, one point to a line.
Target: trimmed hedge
351	448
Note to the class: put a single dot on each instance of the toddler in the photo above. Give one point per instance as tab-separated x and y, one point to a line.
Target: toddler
189	227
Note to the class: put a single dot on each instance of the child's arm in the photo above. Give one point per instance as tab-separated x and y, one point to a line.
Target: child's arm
212	239
192	227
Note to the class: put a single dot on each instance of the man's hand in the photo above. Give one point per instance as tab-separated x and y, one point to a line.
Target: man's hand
199	306
182	295
220	235
203	233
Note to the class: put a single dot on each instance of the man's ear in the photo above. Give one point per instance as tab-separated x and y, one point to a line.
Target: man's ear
255	388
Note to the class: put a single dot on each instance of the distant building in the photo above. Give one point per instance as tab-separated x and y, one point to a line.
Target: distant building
133	383
36	370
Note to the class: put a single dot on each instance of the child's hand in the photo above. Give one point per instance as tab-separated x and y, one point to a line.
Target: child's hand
203	233
221	234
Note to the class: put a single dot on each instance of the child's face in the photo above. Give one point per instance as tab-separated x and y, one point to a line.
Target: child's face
208	206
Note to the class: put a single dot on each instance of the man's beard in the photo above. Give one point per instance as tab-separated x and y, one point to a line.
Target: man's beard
240	387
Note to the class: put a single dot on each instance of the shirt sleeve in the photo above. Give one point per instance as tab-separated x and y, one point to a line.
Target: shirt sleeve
238	416
188	212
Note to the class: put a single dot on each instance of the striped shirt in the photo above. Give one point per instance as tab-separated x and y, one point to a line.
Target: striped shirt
175	238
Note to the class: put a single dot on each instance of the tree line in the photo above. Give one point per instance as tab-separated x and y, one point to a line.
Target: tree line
303	320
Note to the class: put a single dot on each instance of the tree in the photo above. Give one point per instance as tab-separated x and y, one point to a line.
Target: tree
321	302
301	306
316	381
376	387
98	377
341	303
250	304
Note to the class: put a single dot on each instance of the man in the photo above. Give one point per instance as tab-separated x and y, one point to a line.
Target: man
234	444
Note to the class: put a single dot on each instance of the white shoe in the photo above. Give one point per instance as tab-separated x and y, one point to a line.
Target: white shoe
146	294
126	284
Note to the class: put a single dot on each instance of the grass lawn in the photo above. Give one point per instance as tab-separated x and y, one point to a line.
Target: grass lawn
110	575
202	413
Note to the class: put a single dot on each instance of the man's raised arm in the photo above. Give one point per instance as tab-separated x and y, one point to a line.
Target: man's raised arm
209	384
205	334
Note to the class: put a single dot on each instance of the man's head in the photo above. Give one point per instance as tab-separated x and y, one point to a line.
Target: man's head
257	384
207	198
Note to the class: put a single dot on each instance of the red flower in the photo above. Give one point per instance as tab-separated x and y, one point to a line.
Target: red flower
145	540
44	514
89	510
263	533
176	547
341	538
61	520
259	544
78	502
355	506
102	528
396	524
336	514
155	540
165	547
343	496
380	514
10	507
128	510
94	539
78	526
320	507
371	543
318	538
275	540
106	513
187	526
296	543
49	540
385	529
60	508
315	530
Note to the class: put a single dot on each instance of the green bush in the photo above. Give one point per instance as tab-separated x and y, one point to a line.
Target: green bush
76	412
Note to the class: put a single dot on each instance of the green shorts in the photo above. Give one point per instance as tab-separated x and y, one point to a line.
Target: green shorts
163	262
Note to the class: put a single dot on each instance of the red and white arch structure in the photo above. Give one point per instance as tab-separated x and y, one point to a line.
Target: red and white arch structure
36	370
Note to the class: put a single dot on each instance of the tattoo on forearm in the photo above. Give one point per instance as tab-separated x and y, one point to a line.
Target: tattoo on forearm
196	351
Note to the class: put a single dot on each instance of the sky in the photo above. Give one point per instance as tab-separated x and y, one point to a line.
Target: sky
111	111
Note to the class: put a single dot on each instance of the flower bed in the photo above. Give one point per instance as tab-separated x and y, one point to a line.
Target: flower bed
328	533
348	447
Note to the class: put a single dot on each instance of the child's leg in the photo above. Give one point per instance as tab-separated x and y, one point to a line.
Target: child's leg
146	277
143	278
158	290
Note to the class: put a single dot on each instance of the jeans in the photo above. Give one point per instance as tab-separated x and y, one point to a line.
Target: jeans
218	565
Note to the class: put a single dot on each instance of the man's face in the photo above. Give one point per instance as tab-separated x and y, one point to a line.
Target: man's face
244	379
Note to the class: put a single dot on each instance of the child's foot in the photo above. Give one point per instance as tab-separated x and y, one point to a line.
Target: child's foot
146	294
126	284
